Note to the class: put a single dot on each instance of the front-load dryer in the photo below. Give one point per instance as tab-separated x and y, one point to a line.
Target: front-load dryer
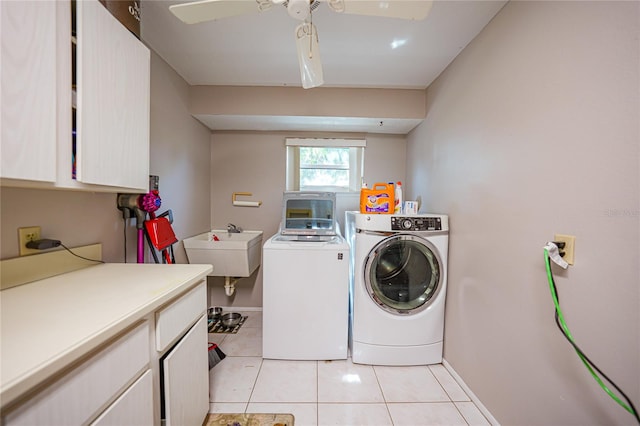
398	287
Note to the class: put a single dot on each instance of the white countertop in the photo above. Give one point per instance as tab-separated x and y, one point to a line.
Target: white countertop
48	324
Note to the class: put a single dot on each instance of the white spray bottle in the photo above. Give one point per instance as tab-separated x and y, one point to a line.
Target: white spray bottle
398	198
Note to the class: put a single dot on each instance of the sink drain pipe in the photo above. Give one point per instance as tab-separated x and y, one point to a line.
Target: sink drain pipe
230	285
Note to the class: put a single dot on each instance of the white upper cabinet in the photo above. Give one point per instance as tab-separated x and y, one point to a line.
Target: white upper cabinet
113	101
112	92
28	91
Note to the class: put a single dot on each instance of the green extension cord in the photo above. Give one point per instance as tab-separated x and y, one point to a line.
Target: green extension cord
587	363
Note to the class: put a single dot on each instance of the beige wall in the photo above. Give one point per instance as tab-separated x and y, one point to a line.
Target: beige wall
180	151
255	162
179	155
75	218
295	101
534	130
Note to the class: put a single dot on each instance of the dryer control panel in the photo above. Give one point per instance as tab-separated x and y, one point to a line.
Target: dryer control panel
399	223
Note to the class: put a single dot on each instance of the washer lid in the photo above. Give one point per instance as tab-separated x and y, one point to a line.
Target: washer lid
309	213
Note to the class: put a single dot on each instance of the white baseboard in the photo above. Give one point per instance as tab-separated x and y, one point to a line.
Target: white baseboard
470	393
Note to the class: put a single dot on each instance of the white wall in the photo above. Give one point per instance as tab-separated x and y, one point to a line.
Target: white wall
255	162
534	130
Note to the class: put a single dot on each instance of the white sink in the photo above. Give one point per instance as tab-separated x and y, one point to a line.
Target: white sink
234	255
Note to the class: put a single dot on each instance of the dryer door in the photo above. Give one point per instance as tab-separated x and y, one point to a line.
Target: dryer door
403	274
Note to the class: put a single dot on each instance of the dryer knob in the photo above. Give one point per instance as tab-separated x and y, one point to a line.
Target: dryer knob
407	224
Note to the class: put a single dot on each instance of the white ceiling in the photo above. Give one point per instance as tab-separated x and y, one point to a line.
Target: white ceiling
356	51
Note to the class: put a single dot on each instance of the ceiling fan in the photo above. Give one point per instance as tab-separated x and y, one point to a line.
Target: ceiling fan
306	35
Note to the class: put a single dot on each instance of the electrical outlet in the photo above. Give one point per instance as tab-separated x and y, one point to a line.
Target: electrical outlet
25	235
569	246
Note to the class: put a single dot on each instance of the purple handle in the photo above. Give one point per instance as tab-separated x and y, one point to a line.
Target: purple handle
140	246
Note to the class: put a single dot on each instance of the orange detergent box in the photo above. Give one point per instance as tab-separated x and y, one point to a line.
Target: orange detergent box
379	199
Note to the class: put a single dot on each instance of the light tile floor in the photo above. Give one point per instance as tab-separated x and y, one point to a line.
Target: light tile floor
332	392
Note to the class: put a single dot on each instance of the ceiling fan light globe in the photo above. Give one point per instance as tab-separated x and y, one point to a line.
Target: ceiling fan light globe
336	5
309	56
415	10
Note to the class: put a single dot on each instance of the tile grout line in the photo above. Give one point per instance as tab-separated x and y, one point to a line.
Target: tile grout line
255	381
448	395
476	401
439	383
384	398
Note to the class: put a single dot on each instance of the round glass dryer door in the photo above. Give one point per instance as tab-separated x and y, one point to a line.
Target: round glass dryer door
403	274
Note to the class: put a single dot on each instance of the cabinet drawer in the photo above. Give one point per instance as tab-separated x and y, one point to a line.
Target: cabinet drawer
82	393
133	408
174	320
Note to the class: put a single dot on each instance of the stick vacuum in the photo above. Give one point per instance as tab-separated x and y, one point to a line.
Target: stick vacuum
130	207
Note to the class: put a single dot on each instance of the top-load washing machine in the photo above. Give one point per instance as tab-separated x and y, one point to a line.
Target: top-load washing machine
398	287
305	312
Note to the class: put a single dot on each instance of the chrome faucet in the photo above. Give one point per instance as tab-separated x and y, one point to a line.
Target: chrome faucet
233	229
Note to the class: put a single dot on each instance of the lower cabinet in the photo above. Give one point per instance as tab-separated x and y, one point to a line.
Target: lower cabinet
154	373
181	344
185	380
85	391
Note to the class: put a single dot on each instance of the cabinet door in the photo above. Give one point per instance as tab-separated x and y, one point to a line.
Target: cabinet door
28	90
186	378
113	78
133	408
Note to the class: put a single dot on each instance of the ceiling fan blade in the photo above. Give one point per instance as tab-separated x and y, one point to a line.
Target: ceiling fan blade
211	10
404	9
309	55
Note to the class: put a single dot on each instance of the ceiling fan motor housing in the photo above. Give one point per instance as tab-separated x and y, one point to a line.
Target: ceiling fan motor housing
298	9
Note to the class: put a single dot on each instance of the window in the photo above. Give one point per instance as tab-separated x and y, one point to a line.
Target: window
325	164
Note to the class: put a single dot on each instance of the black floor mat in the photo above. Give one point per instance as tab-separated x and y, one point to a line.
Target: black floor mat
217	327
